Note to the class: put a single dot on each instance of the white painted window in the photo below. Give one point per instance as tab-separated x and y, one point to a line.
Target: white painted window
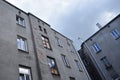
22	43
24	73
96	47
115	34
20	20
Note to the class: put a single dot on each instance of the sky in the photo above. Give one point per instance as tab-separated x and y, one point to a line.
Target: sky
72	18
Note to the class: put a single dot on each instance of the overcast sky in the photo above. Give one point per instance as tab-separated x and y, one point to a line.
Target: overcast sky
73	18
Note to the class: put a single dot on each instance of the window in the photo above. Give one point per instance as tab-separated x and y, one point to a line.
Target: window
72	78
106	62
96	47
24	73
70	47
115	34
40	28
52	65
59	43
78	65
22	43
20	20
45	31
46	42
65	60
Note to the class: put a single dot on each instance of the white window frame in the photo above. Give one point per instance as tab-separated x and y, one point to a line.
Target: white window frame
25	72
22	43
20	20
115	34
96	47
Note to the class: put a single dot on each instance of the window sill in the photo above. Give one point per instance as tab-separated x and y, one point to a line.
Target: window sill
23	51
117	38
20	25
48	48
98	51
60	46
68	66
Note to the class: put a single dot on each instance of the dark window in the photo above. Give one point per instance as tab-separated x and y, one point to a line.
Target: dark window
24	73
20	20
65	60
22	43
106	62
72	78
96	47
45	31
40	28
115	34
52	65
46	42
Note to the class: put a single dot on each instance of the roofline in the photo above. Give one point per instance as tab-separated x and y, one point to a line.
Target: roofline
14	6
101	28
24	11
38	18
61	34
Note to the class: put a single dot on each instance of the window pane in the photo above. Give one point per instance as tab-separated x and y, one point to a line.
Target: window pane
27	77
21	43
21	77
46	43
96	47
52	66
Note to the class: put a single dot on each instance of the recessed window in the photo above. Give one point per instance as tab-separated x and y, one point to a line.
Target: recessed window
22	43
65	60
45	31
46	42
24	73
70	47
59	42
72	78
96	47
78	65
52	65
106	62
115	34
40	28
20	20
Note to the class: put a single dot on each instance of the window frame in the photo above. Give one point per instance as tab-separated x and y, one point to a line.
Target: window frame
59	42
53	69
65	60
25	72
20	21
22	43
46	42
96	48
106	62
115	34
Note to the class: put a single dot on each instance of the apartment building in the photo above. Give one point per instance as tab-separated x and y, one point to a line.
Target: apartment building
101	52
31	50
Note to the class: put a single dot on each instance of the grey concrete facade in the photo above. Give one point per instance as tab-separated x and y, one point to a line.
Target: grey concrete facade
105	55
35	57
